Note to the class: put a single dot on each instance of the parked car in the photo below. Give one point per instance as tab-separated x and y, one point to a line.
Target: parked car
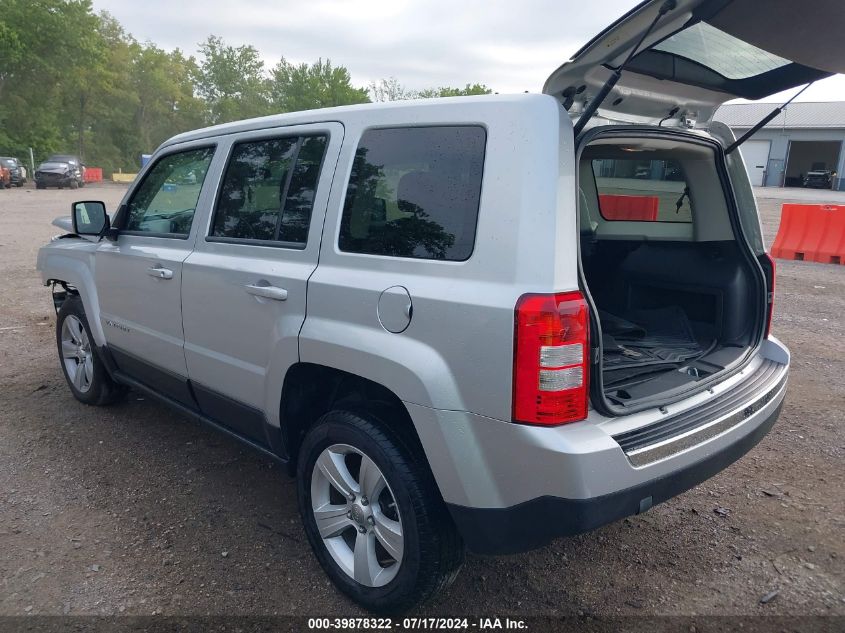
819	179
420	309
16	169
5	177
60	170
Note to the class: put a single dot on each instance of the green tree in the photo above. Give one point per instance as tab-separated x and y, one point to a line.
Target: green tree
320	85
388	90
231	80
74	81
42	42
94	88
391	90
446	91
166	100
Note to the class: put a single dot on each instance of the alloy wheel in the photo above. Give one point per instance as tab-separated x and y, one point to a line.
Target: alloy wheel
356	515
77	355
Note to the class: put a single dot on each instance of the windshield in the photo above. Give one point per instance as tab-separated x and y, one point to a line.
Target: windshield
7	162
59	158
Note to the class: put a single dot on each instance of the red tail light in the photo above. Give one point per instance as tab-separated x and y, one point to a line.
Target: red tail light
770	270
551	359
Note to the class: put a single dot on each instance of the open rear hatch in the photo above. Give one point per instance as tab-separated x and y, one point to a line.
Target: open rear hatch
701	53
678	284
679	299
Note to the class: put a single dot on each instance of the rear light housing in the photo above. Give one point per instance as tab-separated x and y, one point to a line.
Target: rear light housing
770	269
551	359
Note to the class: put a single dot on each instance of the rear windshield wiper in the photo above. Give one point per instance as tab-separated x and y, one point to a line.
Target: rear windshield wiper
680	201
771	115
596	101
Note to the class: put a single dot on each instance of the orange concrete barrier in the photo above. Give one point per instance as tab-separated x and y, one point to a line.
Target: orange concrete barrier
93	174
636	208
811	232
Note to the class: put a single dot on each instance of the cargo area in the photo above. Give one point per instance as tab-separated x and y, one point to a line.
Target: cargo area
677	296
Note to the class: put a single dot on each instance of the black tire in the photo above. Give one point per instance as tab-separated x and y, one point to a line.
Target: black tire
39	185
19	183
81	184
103	390
433	549
73	184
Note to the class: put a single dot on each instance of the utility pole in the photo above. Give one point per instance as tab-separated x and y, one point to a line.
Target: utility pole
31	164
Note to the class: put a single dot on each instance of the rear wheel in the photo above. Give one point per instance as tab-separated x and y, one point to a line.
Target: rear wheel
373	514
40	185
81	364
74	184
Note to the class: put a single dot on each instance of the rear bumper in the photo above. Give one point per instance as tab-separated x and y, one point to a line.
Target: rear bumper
535	523
512	488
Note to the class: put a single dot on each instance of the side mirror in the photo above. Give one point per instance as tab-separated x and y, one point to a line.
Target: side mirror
89	218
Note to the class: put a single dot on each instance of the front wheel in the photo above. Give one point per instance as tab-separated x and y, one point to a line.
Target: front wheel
81	364
373	514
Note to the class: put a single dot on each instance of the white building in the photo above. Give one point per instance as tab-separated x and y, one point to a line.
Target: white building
805	136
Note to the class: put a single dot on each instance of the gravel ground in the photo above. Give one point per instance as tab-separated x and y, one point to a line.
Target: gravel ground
134	510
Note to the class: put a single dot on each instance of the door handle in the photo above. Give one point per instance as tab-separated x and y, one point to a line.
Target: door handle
160	273
267	292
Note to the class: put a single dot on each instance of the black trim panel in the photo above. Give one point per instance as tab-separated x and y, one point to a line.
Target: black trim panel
239	417
169	384
233	418
194	415
535	523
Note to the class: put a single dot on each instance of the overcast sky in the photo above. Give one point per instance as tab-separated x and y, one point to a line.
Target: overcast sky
510	46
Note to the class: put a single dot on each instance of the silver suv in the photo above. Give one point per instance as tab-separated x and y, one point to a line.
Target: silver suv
473	322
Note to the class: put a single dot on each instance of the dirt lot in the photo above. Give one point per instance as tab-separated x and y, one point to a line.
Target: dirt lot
134	510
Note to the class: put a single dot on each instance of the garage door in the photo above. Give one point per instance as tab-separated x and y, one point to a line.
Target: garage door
755	154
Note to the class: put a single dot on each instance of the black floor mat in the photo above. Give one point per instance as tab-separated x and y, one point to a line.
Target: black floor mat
647	337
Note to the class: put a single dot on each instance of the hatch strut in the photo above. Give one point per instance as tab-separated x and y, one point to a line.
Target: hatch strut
763	122
596	101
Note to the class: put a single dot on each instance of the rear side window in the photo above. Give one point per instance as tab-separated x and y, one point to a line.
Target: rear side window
415	192
268	190
637	190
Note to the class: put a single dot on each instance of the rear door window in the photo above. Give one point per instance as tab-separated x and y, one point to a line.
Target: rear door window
268	190
415	192
642	190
